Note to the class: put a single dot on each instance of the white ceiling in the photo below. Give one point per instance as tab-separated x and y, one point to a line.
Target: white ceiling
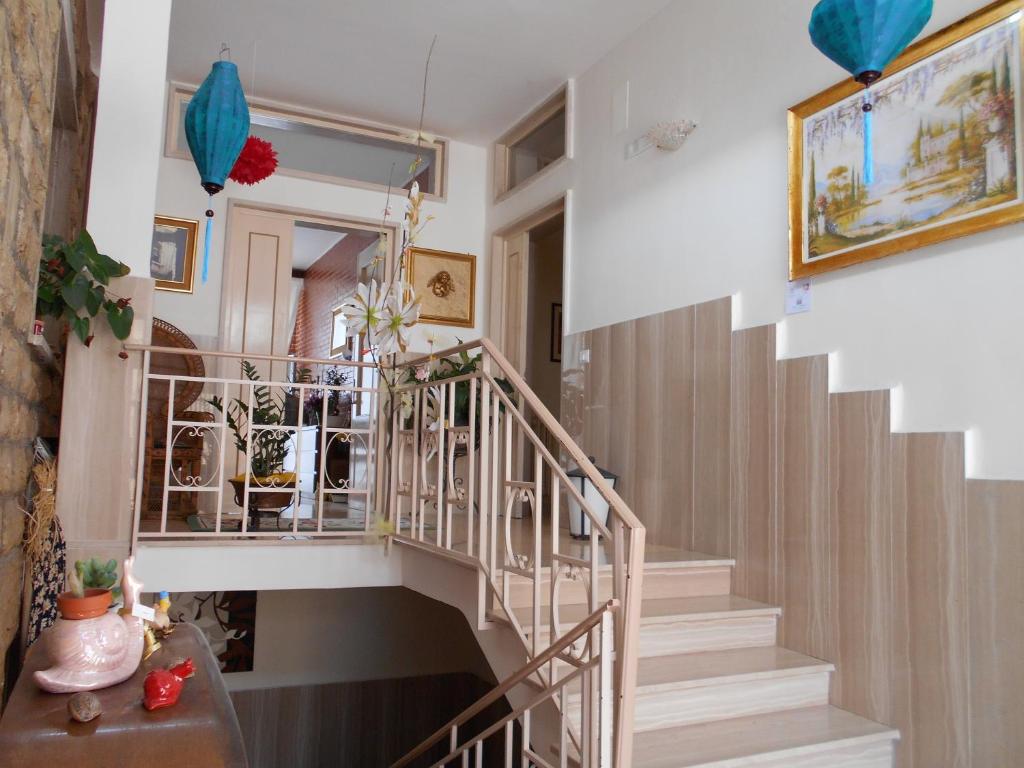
310	243
494	59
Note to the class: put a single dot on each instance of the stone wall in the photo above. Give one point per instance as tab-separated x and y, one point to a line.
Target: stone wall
30	392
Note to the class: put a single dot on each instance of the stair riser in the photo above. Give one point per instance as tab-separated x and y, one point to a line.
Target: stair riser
687	706
658	583
876	754
669	638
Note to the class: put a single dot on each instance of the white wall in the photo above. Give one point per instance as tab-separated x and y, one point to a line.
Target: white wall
318	636
129	126
458	226
665	230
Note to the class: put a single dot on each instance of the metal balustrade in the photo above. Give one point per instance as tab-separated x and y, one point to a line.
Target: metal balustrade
189	452
452	454
464	460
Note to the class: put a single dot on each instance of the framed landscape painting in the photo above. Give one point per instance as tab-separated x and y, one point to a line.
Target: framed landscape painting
947	149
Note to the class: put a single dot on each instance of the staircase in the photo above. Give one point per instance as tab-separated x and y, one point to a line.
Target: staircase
714	689
632	657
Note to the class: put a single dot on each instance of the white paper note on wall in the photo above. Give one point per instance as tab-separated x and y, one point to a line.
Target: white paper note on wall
798	297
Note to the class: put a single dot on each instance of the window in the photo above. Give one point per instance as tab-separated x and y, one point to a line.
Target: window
339	340
535	143
325	148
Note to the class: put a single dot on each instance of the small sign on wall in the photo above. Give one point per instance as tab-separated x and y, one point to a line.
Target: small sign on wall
798	297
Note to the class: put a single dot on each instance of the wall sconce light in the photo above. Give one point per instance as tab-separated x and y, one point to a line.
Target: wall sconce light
671	135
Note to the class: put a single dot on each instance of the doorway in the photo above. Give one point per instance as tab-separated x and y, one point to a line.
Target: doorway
526	314
286	275
526	296
286	271
543	358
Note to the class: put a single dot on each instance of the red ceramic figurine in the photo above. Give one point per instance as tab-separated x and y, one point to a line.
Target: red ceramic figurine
162	687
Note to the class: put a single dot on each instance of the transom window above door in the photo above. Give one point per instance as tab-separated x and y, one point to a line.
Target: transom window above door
325	148
535	143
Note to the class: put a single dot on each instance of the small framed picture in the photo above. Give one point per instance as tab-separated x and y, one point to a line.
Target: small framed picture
445	284
556	333
172	262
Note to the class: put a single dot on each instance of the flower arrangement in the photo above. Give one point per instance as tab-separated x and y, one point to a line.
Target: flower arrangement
385	310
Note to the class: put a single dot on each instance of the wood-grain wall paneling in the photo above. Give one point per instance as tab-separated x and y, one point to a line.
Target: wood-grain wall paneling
931	587
620	453
675	412
860	511
598	420
712	363
752	466
648	427
573	384
366	723
803	583
899	642
995	595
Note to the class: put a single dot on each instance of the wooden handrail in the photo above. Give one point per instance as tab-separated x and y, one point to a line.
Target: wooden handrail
464	347
499	692
616	503
548	419
542	449
516	713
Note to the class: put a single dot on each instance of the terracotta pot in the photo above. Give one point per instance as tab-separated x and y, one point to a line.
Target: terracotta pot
95	603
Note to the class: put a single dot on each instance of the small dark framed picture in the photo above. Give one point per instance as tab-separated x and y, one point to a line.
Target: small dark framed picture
556	333
172	261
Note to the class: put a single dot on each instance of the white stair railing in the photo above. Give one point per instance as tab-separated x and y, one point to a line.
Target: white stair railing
464	463
459	454
593	678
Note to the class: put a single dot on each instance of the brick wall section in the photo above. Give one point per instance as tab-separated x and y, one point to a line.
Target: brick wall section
329	281
29	392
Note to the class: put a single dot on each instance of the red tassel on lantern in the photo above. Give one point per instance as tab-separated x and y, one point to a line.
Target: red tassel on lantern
257	161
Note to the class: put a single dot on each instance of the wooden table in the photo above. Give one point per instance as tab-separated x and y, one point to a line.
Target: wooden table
200	730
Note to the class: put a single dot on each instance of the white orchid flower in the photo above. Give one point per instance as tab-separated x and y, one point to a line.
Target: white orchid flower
401	312
364	311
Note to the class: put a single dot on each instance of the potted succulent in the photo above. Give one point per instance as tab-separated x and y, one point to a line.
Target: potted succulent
90	646
91	590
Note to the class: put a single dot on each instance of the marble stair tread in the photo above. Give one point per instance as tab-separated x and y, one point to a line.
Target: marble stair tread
759	738
691	670
667	557
664	559
677	608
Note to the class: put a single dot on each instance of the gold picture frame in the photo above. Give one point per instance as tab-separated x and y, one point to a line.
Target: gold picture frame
952	188
172	260
445	283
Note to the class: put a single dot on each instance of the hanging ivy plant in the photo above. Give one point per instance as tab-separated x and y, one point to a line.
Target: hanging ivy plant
73	282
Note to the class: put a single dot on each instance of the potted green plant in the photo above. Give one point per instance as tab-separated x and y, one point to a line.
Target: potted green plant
74	278
266	449
449	368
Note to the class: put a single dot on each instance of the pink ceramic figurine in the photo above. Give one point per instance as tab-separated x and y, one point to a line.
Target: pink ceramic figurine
90	653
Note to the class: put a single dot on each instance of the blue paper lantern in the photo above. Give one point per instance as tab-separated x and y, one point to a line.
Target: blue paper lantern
863	37
216	127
